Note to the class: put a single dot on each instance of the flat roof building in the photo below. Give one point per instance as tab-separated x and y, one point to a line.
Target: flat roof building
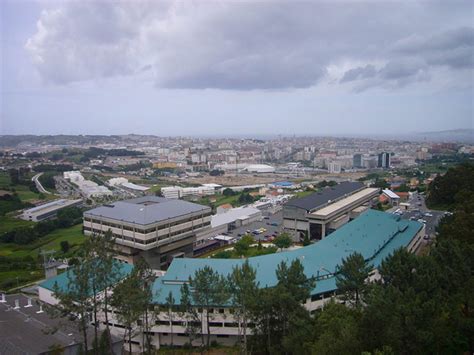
156	228
48	210
323	212
375	235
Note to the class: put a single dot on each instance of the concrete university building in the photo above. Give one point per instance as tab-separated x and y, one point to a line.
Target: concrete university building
155	228
325	211
373	234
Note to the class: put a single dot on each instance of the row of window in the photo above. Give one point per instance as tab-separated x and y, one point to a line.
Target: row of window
152	240
149	230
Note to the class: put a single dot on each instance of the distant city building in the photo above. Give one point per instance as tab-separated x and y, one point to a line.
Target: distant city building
174	192
384	160
156	228
86	187
334	167
48	210
357	161
259	168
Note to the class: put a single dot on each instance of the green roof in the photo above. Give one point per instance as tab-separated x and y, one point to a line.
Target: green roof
63	280
373	234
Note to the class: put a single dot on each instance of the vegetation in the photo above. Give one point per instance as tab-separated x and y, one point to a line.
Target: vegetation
66	217
21	264
283	241
452	188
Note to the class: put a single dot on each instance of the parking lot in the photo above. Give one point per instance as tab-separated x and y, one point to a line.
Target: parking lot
272	223
419	211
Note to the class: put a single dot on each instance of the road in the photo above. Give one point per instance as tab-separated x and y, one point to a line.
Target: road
418	210
40	187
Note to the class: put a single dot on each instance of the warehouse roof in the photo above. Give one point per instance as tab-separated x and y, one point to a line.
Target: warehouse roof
374	234
232	215
63	280
390	194
146	210
326	195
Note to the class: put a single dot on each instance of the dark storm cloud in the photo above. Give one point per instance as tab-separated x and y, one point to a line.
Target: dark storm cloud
247	45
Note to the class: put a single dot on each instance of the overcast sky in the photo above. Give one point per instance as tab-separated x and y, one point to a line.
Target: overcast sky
236	67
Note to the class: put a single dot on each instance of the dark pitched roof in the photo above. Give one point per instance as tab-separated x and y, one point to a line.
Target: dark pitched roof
322	197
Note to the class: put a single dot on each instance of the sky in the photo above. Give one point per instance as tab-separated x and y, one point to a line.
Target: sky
236	67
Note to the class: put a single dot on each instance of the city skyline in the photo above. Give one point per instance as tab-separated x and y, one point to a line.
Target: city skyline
174	69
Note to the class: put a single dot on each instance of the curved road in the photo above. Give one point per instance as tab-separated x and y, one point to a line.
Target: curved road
40	187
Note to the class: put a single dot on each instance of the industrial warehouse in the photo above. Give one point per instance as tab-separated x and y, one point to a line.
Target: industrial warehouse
373	234
323	212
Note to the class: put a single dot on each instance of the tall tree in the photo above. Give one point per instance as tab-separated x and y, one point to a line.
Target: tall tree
278	310
351	278
170	310
336	330
130	301
75	297
209	289
190	314
243	288
107	272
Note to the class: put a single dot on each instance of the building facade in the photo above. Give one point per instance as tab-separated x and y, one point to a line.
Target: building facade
155	228
323	212
375	235
48	210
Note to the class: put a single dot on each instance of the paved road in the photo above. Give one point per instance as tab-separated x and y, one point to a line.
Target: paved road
418	210
40	187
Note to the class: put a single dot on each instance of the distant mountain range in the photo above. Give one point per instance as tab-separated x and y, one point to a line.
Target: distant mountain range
465	135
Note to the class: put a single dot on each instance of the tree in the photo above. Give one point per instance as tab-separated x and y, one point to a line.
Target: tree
107	271
336	330
306	240
279	315
351	278
243	245
228	192
243	288
146	277
64	246
283	241
245	198
75	298
209	289
130	301
189	313
169	308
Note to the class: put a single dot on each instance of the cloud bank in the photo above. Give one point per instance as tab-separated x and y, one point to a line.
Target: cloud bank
248	45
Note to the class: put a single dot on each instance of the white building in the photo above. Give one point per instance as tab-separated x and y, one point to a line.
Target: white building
259	168
87	188
334	168
48	210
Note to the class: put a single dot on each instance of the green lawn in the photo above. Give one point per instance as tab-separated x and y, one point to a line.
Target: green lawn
50	241
10	279
4	179
8	223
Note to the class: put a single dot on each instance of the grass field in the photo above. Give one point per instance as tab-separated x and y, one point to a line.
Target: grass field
8	223
50	241
13	278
